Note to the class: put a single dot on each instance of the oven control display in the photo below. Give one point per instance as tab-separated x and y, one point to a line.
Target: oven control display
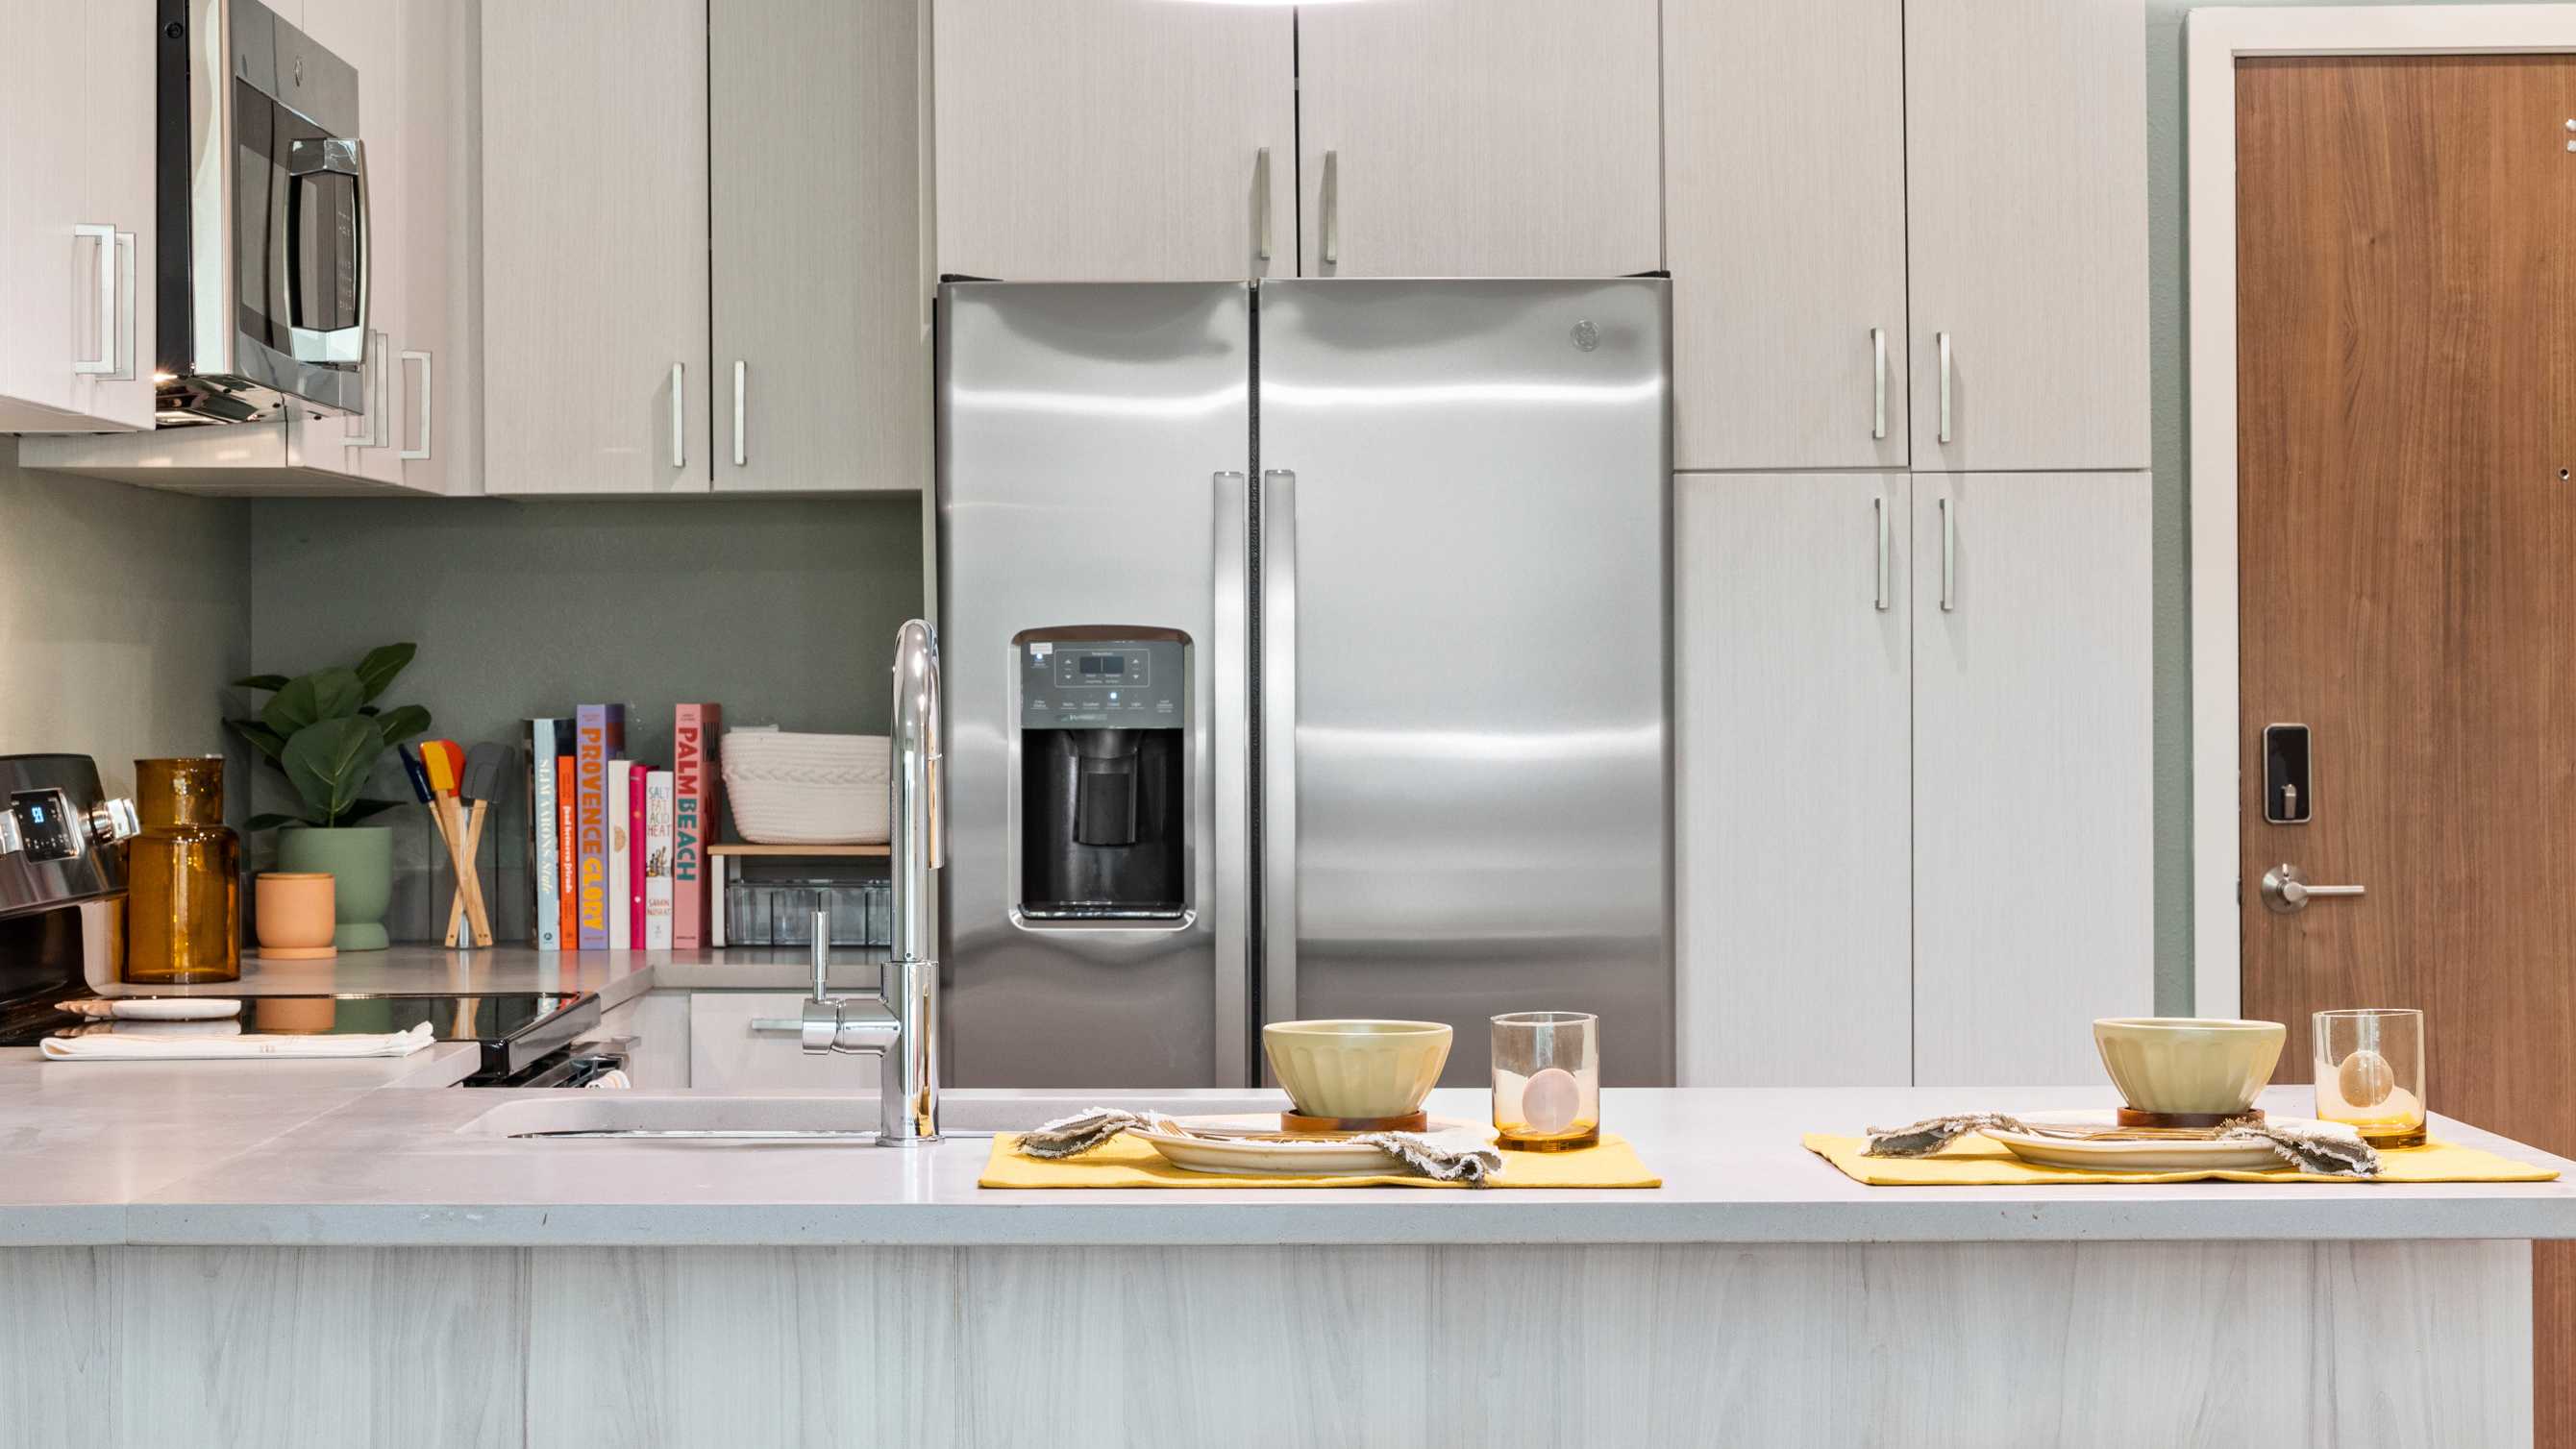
45	825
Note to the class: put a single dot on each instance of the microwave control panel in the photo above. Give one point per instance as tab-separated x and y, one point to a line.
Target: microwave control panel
1138	684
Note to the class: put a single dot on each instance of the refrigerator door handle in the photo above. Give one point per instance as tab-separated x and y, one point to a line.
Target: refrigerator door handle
1226	747
1278	744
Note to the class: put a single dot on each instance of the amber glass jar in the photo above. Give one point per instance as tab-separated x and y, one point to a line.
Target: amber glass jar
183	876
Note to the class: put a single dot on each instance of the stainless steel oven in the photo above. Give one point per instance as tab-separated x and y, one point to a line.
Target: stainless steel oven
263	259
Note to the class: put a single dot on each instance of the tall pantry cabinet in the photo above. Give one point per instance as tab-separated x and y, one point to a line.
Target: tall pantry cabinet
1914	700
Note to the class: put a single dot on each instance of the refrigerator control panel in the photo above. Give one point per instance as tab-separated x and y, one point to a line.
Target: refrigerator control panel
1133	684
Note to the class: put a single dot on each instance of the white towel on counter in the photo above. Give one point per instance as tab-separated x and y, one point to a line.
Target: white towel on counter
123	1047
129	1029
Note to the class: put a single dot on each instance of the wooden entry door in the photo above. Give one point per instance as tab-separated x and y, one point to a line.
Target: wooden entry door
2407	385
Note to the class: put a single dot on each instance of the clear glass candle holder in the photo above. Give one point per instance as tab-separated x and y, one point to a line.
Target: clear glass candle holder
1547	1080
2370	1073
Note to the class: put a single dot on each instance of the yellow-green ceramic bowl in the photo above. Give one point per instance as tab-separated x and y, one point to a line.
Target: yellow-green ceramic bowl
2188	1064
1356	1068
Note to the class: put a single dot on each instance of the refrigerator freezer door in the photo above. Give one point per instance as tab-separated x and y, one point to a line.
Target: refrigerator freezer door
1094	442
1466	642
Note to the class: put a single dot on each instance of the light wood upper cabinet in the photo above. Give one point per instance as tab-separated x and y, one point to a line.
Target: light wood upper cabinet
1784	153
1478	138
1792	723
2026	194
117	118
595	248
822	288
434	377
2033	737
1115	140
76	217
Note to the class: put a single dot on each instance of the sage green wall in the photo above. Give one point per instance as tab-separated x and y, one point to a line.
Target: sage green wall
122	615
2166	261
784	611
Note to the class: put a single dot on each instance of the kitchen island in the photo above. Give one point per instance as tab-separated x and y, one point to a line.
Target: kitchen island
291	1253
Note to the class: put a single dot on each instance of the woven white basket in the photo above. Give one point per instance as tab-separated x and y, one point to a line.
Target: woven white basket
790	789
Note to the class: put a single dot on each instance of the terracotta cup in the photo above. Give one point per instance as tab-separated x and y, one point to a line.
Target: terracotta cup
297	913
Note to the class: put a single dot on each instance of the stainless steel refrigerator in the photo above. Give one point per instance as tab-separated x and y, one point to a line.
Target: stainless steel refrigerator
1306	651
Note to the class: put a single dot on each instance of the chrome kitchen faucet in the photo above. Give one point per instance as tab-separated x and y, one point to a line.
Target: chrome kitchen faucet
906	1037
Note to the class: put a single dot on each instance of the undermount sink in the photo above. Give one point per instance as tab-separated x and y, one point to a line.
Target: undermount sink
719	1117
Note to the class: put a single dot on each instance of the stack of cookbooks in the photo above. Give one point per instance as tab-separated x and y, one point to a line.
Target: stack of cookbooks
618	847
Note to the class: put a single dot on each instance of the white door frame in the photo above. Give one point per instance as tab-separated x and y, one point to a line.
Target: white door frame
2213	39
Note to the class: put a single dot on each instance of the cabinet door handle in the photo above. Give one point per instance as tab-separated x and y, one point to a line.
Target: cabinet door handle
364	437
679	415
1949	558
1880	503
741	391
1945	386
1331	226
420	448
1878	386
382	434
105	363
124	307
1261	202
378	390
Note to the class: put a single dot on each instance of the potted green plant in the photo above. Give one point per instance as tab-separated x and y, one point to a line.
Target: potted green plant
325	732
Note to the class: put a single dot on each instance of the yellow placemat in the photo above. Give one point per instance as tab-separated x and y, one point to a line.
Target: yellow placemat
1125	1162
1980	1161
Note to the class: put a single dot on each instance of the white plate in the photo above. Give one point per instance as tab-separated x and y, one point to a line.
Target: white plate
1258	1157
2140	1155
155	1008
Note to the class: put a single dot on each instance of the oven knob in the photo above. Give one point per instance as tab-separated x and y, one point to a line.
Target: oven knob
113	820
12	839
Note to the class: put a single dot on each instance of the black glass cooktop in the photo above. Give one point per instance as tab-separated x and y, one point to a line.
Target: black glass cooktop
450	1018
514	1027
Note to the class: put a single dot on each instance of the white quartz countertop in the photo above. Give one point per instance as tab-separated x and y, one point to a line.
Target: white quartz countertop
373	1152
319	1153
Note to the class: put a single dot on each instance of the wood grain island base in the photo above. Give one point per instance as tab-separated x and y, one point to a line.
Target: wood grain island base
2098	1343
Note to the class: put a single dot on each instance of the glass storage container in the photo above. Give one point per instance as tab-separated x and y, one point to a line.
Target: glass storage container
183	876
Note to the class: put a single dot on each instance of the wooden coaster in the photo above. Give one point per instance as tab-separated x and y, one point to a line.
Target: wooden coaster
297	953
1292	1121
2132	1117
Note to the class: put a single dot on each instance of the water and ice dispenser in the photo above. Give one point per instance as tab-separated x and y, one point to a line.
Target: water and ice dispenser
1104	720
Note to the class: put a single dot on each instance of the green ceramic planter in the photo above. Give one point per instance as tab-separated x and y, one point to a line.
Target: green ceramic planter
360	861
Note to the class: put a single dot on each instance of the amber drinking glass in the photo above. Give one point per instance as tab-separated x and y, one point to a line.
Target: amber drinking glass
1547	1080
2370	1073
183	876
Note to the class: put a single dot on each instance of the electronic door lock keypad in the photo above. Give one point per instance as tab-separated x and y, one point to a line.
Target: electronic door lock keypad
2289	793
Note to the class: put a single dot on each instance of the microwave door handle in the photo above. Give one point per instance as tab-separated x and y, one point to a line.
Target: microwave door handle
1279	744
332	157
366	245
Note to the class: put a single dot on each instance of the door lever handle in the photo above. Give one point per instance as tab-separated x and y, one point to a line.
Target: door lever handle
2286	889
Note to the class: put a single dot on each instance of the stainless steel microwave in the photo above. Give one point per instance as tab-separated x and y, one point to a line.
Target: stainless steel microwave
262	198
